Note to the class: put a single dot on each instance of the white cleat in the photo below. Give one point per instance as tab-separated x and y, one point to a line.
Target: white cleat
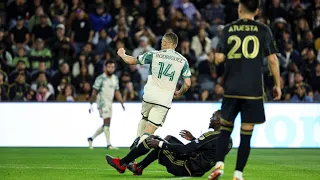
111	147
90	143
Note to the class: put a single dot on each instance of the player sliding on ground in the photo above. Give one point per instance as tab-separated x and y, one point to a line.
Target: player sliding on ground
243	46
104	88
193	159
166	67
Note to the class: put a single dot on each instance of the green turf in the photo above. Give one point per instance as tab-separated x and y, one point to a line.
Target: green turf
82	163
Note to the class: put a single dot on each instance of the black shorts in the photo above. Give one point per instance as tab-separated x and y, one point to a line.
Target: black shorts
252	110
175	163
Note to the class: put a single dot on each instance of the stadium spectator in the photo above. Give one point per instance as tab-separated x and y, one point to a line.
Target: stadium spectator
67	94
300	95
216	39
81	31
291	55
308	64
4	87
18	88
160	23
135	77
42	80
36	19
124	37
41	69
136	10
19	35
141	30
58	10
285	90
61	47
3	30
299	81
5	58
20	69
186	51
115	9
30	95
21	56
300	30
214	14
63	73
85	92
315	80
279	27
126	88
200	43
188	9
183	28
99	19
43	94
40	54
307	42
34	4
83	77
193	94
16	9
216	95
121	25
101	42
82	61
42	30
276	10
142	48
76	4
152	12
231	11
207	71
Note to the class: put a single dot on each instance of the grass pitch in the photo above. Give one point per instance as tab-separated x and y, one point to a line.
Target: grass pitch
82	163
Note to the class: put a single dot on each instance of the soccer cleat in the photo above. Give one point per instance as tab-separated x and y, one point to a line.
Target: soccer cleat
234	178
133	168
115	162
216	173
90	143
111	147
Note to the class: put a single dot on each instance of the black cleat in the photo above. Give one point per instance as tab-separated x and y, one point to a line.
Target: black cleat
133	168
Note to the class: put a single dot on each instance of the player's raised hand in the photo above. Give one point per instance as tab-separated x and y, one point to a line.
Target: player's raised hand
277	93
121	52
186	134
153	143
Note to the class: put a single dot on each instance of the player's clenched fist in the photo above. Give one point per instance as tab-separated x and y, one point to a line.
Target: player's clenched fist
121	52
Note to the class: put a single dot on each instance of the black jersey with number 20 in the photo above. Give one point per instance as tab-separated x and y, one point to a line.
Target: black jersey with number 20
245	43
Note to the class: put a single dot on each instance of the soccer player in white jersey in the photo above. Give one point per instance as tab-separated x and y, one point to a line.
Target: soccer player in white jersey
166	67
105	87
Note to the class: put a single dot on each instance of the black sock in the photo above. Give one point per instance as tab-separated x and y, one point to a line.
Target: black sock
223	143
243	150
135	142
136	152
152	156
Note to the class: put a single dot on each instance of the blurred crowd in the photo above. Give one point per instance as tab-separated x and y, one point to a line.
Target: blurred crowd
52	50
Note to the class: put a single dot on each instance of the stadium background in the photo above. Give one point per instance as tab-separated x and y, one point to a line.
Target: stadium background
60	46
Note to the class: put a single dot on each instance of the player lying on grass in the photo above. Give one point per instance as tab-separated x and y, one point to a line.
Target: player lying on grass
192	159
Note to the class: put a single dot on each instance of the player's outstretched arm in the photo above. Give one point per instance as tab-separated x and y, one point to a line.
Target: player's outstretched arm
184	88
126	58
274	68
119	98
187	135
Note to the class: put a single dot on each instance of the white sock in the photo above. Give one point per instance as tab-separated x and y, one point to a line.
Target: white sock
220	164
142	138
237	174
98	132
106	130
141	127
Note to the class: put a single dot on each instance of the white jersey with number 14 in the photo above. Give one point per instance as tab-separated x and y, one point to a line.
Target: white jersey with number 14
166	67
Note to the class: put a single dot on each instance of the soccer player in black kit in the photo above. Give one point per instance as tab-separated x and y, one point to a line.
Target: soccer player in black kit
243	46
193	159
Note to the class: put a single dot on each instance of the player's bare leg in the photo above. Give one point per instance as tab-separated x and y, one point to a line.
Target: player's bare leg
222	149
106	130
243	150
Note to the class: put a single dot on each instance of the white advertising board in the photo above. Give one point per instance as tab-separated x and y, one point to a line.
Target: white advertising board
70	124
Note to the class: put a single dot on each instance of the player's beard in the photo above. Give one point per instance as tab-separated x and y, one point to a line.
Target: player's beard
109	74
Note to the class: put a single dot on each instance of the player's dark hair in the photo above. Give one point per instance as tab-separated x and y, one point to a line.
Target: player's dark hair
251	5
171	37
109	62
